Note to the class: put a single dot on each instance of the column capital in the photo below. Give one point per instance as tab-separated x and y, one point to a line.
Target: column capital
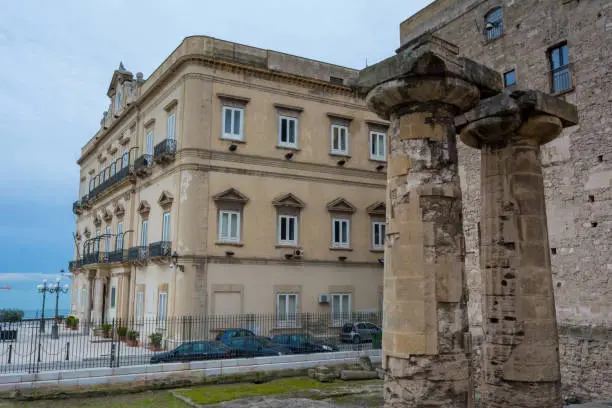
427	69
529	114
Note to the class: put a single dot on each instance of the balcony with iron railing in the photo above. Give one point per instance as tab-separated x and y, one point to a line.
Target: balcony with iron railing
142	165
160	249
90	258
165	151
118	171
117	256
138	254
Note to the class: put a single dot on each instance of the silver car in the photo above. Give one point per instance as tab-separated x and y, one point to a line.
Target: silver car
358	332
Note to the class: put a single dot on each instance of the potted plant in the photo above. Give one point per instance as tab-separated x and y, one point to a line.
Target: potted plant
155	340
121	332
132	338
106	330
59	319
72	322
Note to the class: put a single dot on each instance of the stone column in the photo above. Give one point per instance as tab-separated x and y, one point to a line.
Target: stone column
521	346
426	343
98	294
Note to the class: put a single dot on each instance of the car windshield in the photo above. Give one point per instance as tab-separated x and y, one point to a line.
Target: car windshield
301	339
264	342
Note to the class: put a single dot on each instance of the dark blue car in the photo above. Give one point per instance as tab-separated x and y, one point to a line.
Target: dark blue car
302	343
256	346
196	350
225	335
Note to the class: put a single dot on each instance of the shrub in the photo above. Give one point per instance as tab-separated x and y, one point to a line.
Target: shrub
11	315
72	321
155	338
122	331
106	327
132	335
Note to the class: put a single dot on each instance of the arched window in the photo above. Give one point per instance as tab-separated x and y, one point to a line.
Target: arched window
494	23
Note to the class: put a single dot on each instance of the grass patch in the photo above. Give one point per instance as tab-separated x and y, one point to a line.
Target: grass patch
214	394
151	399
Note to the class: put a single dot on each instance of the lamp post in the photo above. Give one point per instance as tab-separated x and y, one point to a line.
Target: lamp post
57	289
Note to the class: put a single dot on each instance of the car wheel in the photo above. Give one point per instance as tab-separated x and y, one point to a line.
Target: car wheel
356	340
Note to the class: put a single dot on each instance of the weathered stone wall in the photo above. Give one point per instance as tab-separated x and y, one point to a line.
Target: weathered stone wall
577	166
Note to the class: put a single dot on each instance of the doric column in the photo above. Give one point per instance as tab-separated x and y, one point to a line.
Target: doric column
521	347
426	342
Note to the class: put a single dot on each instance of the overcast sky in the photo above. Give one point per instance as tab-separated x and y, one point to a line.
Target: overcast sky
56	61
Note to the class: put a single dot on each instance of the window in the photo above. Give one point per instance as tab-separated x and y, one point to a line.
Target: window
113	297
166	227
559	62
92	184
171	126
341	233
286	309
107	239
287	230
149	143
510	78
229	226
341	307
97	240
378	146
113	167
339	139
287	131
119	236
232	123
125	158
102	175
139	305
162	302
143	232
378	235
494	23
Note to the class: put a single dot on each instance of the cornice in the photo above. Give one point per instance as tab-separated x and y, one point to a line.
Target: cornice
279	163
237	260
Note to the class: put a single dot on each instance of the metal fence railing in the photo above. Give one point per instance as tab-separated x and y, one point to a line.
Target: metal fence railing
25	347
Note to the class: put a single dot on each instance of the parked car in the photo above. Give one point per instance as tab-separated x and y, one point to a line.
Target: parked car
226	334
256	346
196	350
358	332
302	343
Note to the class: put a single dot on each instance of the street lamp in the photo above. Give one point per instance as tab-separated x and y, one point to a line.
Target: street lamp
57	289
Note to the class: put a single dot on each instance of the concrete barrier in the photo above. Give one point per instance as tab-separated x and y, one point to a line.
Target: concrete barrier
192	371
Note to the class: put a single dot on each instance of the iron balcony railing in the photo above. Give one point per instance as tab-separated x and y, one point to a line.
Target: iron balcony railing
117	256
72	265
91	258
140	253
76	206
143	162
160	249
165	147
561	79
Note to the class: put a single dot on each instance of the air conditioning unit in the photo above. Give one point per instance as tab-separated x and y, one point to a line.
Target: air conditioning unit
324	298
298	253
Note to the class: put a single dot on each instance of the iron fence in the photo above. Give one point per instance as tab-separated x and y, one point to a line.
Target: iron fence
115	342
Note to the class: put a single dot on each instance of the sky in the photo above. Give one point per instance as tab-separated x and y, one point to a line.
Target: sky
56	62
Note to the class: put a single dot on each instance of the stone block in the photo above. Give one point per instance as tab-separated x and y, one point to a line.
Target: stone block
399	165
449	281
422	125
10	378
500	281
535	308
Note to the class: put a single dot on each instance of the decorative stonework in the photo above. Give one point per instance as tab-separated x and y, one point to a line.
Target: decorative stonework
341	205
288	200
97	220
107	215
378	208
144	208
165	200
231	195
171	105
119	210
87	232
77	236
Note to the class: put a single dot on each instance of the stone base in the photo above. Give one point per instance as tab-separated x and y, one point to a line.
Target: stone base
427	381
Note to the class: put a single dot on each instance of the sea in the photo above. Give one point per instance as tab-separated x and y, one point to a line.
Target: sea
36	313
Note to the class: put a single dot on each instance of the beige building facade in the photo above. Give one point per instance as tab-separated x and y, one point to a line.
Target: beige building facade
563	48
233	180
